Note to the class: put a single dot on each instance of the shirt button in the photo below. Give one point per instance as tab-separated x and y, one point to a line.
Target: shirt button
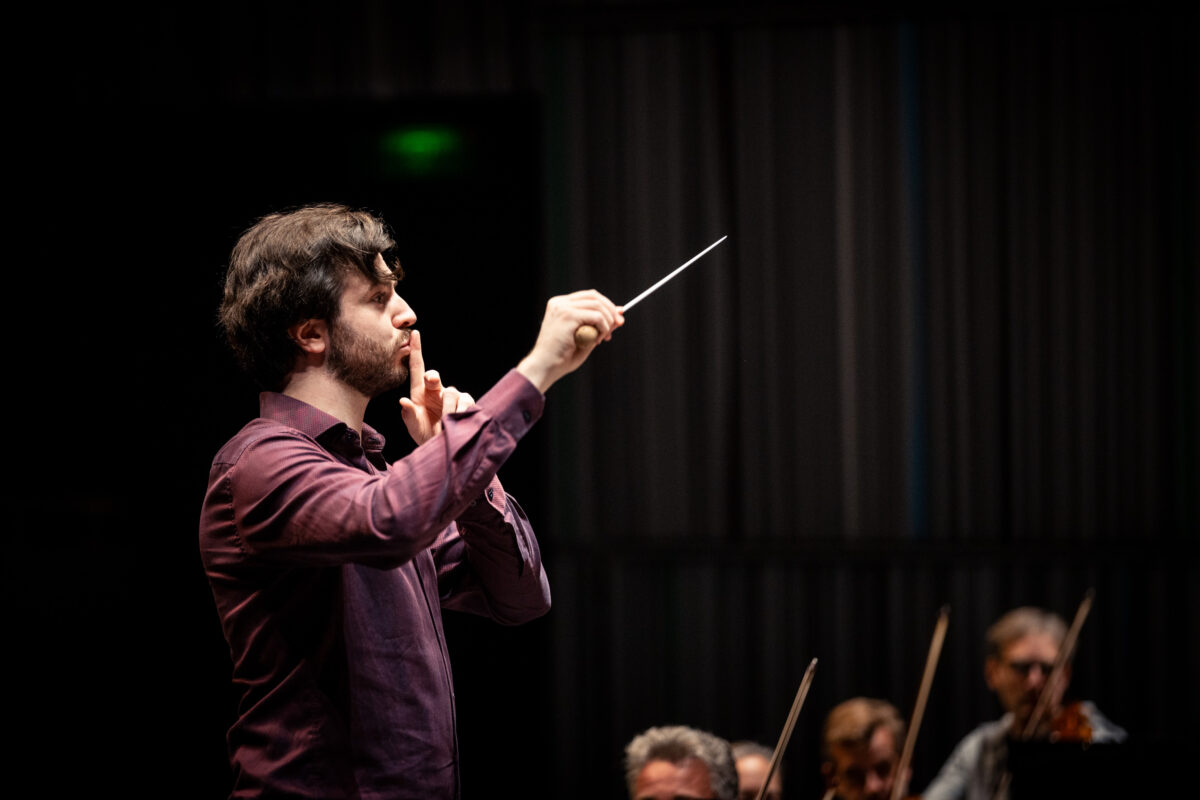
525	416
489	493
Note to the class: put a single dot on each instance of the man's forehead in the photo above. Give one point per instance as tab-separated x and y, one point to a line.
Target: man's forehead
879	746
883	743
1032	644
659	777
753	768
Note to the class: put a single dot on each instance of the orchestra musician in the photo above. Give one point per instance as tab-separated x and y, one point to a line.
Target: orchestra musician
1022	648
675	762
860	748
753	761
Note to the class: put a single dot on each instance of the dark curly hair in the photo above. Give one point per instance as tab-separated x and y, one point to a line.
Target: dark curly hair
288	267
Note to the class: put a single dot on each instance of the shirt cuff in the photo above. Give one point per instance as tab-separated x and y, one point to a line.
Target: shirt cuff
515	403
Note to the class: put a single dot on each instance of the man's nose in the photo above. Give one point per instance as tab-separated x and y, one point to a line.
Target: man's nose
876	785
402	314
1036	676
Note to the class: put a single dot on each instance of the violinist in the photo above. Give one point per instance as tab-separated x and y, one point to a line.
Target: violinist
860	747
1022	648
753	761
676	762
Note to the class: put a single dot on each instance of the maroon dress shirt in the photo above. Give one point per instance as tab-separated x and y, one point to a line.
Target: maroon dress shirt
330	567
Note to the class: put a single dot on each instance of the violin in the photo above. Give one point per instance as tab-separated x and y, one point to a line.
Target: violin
1071	724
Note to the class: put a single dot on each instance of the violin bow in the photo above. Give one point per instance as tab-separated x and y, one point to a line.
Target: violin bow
910	738
1065	654
801	693
1050	687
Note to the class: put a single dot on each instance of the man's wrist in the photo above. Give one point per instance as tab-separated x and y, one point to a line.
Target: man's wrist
536	373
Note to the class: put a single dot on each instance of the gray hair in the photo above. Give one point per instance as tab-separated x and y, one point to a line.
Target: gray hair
677	743
1021	622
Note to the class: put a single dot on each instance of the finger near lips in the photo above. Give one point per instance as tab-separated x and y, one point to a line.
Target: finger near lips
416	361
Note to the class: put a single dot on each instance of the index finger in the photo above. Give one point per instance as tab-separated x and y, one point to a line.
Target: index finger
416	365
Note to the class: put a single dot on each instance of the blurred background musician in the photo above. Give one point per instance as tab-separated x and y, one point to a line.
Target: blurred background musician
753	761
1022	647
860	747
680	763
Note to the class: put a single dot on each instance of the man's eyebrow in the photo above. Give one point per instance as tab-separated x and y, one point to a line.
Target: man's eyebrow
380	282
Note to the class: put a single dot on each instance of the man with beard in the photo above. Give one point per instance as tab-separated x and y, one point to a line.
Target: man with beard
328	565
1022	647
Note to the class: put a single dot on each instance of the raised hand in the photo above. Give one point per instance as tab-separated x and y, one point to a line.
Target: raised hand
428	401
556	351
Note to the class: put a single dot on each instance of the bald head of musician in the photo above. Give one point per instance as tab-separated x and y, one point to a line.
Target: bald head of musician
677	763
1022	647
860	746
753	760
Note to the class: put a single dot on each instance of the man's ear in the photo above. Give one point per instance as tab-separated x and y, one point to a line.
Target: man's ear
311	335
990	667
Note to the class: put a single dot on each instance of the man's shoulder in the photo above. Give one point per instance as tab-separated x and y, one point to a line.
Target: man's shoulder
982	735
257	432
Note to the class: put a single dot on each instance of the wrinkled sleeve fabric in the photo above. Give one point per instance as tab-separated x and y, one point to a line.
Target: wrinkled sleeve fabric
489	562
289	504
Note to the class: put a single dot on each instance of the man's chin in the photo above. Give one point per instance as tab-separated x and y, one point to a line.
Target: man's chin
377	387
399	382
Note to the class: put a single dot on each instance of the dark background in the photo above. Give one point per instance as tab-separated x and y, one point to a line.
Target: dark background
947	356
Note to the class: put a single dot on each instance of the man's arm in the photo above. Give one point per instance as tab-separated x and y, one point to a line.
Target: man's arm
489	562
282	498
555	353
290	502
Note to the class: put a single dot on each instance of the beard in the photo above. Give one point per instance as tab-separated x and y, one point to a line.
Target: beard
365	365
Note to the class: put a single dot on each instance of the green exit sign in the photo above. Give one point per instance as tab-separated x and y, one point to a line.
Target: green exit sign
422	150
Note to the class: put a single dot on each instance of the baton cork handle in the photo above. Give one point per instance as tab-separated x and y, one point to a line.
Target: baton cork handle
586	336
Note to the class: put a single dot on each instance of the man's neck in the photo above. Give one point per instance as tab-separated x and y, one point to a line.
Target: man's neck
321	390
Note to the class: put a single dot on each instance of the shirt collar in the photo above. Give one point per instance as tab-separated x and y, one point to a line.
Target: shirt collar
312	421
